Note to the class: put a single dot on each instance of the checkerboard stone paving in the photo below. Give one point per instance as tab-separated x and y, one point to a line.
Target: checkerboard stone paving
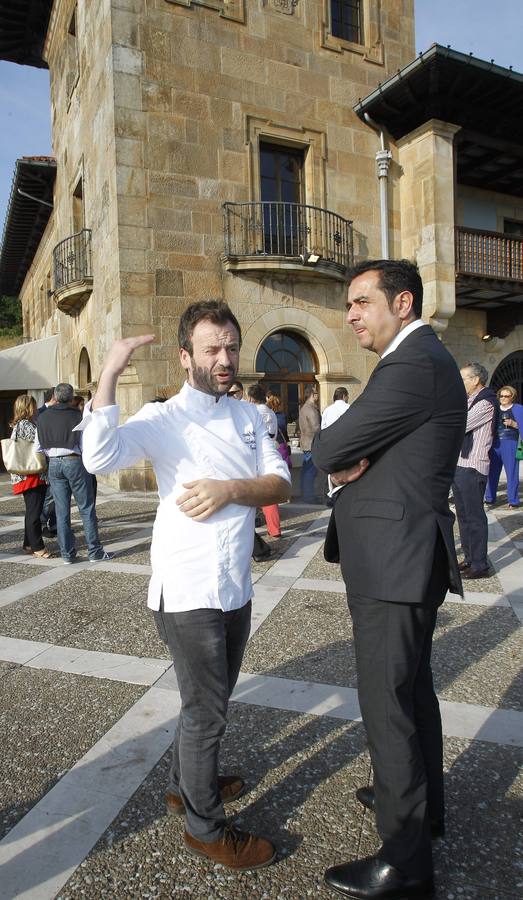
88	701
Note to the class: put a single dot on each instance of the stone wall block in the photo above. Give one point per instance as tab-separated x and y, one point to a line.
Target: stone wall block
175	185
243	66
137	284
169	282
127	60
129	152
202	284
130	123
156	97
130	181
124	27
133	237
127	91
193	106
178	241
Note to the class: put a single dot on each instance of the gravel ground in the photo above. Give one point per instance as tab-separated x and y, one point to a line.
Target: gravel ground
48	720
11	573
476	656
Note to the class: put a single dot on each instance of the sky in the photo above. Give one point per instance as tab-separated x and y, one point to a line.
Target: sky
486	29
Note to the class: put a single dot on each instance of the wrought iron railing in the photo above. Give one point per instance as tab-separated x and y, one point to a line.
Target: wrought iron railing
72	259
268	228
489	254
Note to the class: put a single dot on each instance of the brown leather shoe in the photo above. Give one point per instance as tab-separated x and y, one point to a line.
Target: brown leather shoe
235	849
231	787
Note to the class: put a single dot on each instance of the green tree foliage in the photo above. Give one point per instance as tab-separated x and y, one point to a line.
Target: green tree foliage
10	316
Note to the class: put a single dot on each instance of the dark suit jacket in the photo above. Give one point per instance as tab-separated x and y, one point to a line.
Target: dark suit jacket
410	422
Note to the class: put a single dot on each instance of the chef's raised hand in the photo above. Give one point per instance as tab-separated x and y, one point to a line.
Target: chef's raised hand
116	362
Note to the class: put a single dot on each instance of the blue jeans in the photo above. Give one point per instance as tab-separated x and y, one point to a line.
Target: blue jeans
68	476
207	647
307	478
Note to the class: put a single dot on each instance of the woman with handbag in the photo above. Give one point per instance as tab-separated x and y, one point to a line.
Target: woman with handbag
32	486
504	450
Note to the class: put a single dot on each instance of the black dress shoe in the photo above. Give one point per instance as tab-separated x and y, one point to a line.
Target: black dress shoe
375	879
367	799
471	574
463	566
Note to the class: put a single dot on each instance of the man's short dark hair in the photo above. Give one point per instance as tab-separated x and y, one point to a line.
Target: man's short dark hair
396	275
309	390
340	393
215	311
64	392
257	393
48	395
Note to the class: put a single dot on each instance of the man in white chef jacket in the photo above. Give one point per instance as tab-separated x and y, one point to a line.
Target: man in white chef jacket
214	463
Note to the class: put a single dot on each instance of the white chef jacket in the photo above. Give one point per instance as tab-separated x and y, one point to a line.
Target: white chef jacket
195	564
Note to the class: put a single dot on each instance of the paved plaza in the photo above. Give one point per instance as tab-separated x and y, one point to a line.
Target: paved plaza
89	699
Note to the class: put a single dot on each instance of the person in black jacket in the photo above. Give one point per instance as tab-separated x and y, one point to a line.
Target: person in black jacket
393	456
68	475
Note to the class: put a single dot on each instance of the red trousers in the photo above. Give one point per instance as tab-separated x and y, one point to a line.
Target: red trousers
272	517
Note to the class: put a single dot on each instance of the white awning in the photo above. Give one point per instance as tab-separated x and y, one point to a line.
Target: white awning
29	367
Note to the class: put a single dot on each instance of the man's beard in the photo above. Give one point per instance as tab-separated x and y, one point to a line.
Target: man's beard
204	380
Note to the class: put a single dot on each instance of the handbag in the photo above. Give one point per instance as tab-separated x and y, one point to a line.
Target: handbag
21	457
519	449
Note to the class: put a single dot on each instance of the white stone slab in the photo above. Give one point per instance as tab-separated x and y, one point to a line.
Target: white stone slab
297	696
41	852
482	723
37	583
18	651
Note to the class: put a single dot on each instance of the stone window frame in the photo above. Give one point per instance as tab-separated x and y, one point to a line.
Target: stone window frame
229	9
372	47
311	141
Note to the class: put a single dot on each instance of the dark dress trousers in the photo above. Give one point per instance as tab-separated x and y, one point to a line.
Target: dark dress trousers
392	531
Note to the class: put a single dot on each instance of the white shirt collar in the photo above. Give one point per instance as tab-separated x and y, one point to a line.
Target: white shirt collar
196	399
401	335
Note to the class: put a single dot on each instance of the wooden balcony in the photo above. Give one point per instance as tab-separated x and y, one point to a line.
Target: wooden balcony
489	254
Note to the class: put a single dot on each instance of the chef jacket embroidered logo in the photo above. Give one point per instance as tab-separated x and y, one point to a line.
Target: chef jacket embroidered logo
249	437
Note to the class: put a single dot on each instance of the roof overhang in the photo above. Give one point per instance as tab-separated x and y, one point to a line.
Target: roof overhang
23	29
28	212
484	100
31	366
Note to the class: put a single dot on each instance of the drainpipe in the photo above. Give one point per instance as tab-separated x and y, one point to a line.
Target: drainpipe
383	158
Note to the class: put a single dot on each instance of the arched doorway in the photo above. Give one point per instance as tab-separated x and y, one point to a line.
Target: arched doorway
510	371
289	363
84	371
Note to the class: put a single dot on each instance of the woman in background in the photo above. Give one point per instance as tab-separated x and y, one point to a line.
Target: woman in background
282	437
33	487
503	450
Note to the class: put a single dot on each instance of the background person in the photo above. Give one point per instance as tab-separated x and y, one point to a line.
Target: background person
470	479
309	422
32	487
48	514
393	531
256	395
236	390
282	437
339	405
503	450
68	476
214	463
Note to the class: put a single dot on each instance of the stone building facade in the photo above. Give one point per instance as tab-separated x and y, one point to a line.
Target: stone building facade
165	110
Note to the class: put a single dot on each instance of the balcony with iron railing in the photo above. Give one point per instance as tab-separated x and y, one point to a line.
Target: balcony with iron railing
72	271
276	237
489	255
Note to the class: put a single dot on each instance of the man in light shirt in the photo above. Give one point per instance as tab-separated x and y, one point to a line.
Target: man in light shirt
214	463
472	470
339	405
394	453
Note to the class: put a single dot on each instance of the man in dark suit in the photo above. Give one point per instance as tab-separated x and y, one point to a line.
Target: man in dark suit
394	454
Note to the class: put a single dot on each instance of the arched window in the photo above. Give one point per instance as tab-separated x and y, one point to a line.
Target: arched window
510	371
288	363
84	370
